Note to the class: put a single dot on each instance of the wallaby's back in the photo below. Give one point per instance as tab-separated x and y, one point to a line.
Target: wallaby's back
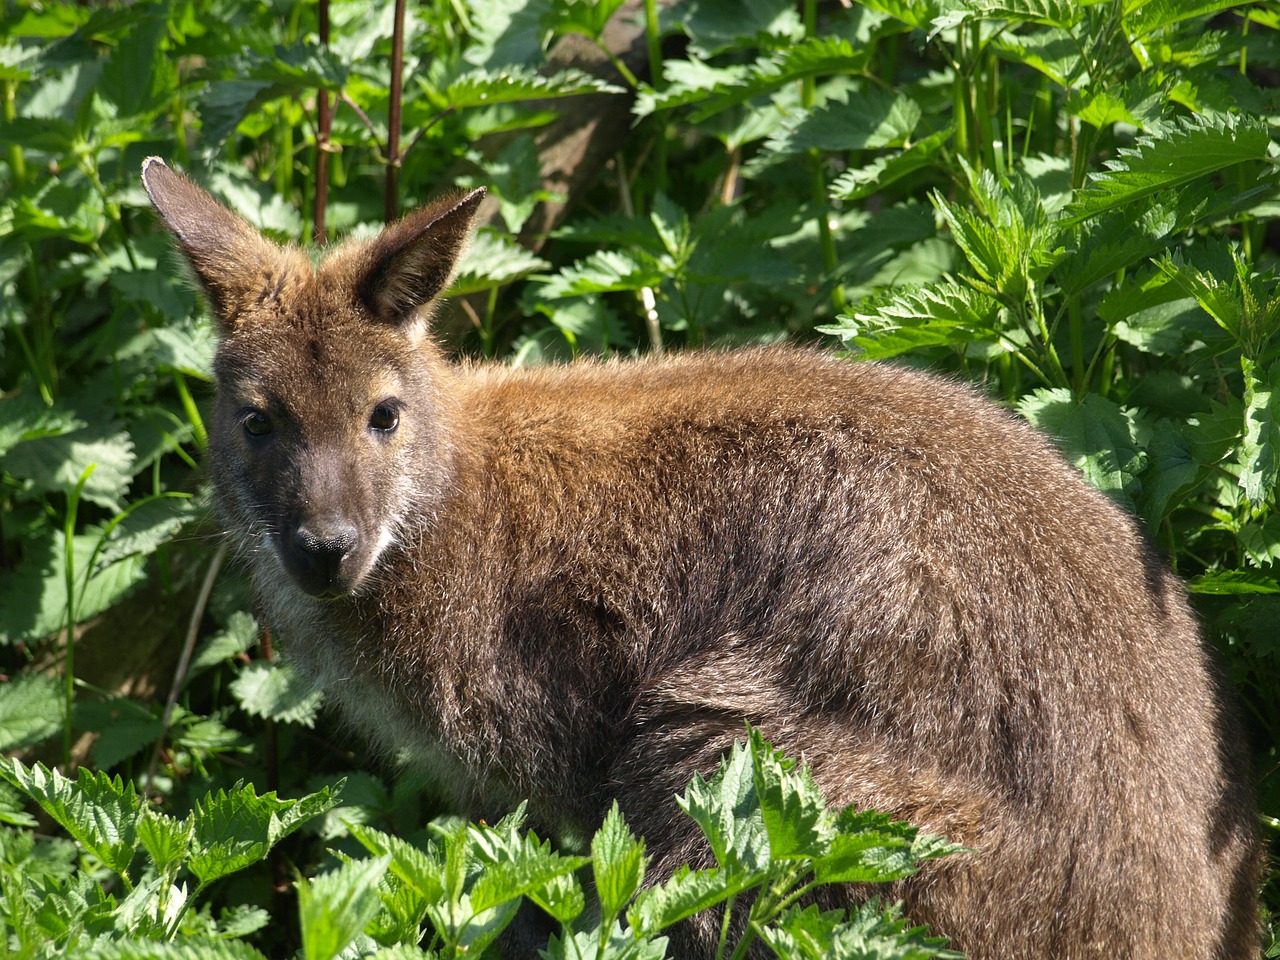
575	584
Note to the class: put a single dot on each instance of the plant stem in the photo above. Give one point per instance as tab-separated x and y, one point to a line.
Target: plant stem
324	124
390	204
69	573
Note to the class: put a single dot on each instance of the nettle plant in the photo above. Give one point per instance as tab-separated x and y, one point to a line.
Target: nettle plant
133	887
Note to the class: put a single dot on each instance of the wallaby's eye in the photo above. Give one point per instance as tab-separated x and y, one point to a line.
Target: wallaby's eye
385	416
256	423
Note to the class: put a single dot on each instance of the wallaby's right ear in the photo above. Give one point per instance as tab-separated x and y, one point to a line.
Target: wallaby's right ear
230	258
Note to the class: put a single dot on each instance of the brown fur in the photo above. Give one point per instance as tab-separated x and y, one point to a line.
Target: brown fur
575	584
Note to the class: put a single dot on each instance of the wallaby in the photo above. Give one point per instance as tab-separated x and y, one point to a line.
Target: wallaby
576	583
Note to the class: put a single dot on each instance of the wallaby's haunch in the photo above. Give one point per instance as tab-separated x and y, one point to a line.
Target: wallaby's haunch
574	584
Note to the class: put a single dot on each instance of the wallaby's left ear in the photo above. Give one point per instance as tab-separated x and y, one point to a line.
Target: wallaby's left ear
412	260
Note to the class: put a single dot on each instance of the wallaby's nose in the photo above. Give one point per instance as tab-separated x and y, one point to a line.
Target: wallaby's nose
317	552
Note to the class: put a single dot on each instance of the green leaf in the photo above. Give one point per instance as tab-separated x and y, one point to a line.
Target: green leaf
728	811
166	839
587	17
621	945
1096	435
1260	447
867	847
273	689
54	464
233	830
605	271
31	707
872	118
1189	149
617	862
1054	13
513	85
492	261
99	812
942	314
1172	473
864	181
534	868
1145	17
714	26
686	893
24	416
870	933
791	805
187	948
335	907
1234	583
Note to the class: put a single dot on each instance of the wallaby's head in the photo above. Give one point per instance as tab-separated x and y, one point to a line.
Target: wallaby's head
327	432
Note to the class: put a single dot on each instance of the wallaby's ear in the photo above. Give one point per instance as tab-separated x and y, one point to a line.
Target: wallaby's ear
412	260
230	258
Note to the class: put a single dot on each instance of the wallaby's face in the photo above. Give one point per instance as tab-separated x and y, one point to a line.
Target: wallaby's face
325	433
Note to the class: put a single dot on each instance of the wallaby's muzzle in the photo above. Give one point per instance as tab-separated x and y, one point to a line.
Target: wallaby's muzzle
324	557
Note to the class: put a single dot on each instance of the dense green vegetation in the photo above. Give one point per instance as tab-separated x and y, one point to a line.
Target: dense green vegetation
1066	202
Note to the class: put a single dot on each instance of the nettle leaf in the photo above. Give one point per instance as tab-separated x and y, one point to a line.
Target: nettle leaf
587	17
812	57
870	933
147	525
791	805
617	862
917	14
187	948
872	118
530	872
492	261
1095	435
273	689
867	847
1191	148
31	707
232	830
124	727
728	810
621	945
1233	583
686	893
1049	50
685	82
166	839
605	271
942	314
1260	447
1172	474
418	871
334	908
24	416
715	27
875	176
98	812
512	84
54	464
1053	13
1142	20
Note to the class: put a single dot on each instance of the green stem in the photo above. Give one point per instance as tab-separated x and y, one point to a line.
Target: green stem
69	573
17	162
192	411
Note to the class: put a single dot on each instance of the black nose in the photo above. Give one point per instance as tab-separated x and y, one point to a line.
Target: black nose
317	552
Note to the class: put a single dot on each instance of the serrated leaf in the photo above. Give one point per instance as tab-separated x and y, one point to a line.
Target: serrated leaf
1191	148
1234	582
166	839
1172	473
942	314
867	847
714	27
512	85
240	634
587	17
917	14
491	261
98	812
605	271
686	893
149	523
862	182
1053	13
617	863
871	119
187	948
275	690
232	830
1096	436
24	416
30	710
621	945
54	464
335	907
124	727
1260	447
1145	17
510	879
791	805
870	933
727	810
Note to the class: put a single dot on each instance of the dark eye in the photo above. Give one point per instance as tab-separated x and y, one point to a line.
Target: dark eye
256	423
385	416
